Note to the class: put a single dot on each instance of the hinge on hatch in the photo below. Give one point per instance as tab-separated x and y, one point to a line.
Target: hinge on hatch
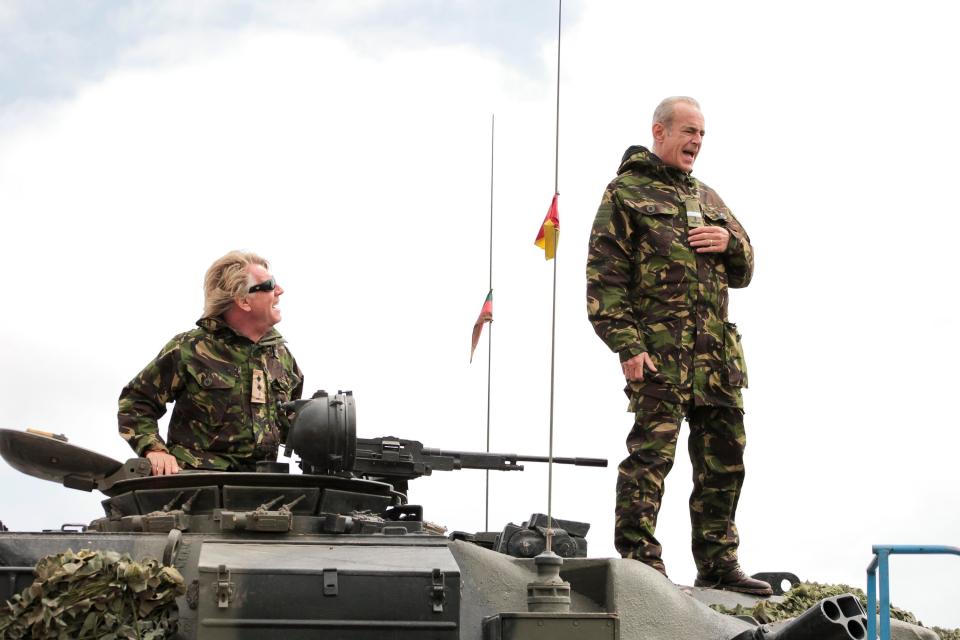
224	587
437	594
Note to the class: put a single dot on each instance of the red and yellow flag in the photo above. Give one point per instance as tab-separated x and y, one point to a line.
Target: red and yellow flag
486	315
549	233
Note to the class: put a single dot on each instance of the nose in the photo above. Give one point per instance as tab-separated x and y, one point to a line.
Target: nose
278	291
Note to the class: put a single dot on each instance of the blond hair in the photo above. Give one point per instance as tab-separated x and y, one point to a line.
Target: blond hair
227	279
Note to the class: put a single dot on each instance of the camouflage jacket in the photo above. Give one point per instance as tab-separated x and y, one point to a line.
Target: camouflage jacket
648	291
210	373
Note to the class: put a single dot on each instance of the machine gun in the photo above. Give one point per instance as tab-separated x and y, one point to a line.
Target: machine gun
323	434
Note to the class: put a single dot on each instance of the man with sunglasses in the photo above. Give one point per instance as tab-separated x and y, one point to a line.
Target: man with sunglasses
226	379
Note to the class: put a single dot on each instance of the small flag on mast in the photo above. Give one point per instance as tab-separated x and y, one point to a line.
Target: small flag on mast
549	233
486	315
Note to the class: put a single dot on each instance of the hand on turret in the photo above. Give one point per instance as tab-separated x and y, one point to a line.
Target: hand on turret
162	463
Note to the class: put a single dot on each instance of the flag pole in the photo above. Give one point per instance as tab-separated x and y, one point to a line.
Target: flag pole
553	322
486	511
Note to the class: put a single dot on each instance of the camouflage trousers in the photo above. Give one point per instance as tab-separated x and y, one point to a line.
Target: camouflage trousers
716	443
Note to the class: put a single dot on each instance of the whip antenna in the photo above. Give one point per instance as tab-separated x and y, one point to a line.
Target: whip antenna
486	510
553	320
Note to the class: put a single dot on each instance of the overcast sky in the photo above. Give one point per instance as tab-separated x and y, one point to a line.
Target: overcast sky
349	143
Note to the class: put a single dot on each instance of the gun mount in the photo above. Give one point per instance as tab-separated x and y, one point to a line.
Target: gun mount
323	434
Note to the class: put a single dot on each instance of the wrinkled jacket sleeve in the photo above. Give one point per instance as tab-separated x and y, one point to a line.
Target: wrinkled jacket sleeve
738	258
293	369
610	278
298	390
143	401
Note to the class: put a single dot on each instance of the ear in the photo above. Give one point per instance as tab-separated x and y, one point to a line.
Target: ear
242	304
659	131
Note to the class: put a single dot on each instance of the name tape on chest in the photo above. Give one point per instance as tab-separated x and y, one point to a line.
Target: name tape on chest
694	212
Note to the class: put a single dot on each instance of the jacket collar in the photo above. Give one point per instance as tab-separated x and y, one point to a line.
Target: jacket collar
217	325
642	160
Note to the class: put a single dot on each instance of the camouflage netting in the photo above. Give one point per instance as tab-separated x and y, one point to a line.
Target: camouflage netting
806	594
95	594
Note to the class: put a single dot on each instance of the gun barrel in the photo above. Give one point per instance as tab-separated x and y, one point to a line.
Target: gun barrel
580	462
506	461
446	460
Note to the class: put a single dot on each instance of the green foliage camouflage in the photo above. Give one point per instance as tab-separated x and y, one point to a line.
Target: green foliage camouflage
95	594
806	594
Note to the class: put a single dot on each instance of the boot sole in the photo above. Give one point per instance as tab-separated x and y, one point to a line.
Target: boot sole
724	587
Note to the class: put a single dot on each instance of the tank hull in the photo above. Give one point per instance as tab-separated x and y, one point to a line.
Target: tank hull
359	586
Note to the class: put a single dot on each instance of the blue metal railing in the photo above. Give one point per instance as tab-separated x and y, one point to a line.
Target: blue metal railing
881	559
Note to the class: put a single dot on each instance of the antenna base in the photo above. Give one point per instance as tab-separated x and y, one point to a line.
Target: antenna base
549	593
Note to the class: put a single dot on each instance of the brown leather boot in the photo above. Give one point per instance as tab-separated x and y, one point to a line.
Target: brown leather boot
734	579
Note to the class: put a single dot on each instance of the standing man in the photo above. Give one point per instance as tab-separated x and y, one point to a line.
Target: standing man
226	378
663	250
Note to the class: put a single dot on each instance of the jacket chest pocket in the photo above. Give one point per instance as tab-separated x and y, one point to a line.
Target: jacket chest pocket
717	216
658	258
657	224
211	394
282	383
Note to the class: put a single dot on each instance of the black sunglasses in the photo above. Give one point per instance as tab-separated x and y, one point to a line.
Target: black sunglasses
266	285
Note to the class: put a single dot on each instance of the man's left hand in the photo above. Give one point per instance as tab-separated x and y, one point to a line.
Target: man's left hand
709	239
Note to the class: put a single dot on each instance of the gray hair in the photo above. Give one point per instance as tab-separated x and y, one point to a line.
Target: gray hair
226	279
664	111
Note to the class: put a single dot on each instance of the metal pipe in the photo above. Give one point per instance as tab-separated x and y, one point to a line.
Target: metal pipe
881	562
872	599
884	566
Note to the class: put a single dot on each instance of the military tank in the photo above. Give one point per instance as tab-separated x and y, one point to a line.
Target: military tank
337	551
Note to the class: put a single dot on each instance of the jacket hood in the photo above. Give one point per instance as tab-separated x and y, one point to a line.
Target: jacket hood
639	158
218	324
